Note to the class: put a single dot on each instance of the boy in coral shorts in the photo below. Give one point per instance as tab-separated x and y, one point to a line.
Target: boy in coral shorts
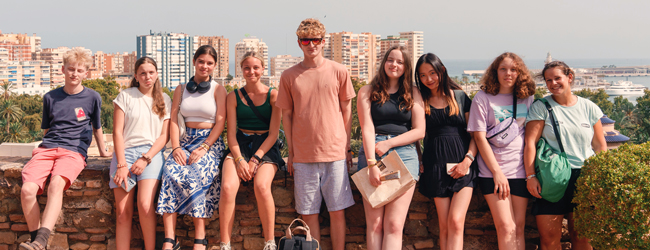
68	113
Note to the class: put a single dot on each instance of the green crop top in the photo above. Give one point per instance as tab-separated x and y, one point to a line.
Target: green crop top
246	118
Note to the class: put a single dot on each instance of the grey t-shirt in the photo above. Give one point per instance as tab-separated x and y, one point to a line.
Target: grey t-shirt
69	118
576	127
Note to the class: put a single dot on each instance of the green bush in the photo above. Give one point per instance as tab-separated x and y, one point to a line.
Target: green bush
613	197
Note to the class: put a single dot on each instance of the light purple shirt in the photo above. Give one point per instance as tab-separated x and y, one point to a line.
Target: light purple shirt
486	112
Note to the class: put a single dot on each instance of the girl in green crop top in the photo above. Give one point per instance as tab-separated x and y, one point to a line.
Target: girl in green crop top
253	153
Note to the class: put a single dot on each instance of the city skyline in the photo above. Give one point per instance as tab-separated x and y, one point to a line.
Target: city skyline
453	30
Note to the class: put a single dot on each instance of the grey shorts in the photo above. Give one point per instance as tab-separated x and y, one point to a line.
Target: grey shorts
314	182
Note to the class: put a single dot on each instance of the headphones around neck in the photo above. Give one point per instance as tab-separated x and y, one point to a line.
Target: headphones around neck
202	88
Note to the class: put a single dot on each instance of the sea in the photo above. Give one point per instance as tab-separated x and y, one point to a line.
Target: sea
456	68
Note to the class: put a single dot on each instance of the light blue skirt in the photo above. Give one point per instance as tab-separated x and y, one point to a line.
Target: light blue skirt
193	189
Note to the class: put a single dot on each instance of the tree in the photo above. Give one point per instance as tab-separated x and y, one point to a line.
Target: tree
540	93
5	88
599	97
356	126
229	88
16	133
10	112
642	113
229	77
167	91
108	89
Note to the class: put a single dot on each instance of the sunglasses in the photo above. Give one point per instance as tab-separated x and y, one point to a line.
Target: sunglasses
315	41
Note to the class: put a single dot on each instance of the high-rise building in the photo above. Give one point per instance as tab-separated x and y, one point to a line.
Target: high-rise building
54	56
129	62
358	52
280	63
220	44
28	77
415	44
172	52
250	44
20	46
4	55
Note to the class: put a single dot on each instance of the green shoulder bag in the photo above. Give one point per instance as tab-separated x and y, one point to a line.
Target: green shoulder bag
552	169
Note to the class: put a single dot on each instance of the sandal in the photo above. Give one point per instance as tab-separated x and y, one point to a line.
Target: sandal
202	242
225	246
31	246
270	245
175	244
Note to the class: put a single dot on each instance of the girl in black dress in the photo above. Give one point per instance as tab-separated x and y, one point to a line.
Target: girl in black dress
447	142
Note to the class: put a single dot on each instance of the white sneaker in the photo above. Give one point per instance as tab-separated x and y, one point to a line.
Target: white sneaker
225	246
270	245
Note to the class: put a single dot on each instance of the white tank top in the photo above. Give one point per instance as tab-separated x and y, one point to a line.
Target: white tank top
197	107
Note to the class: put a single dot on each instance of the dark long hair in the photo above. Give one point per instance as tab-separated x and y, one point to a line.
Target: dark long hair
446	85
157	94
380	82
205	49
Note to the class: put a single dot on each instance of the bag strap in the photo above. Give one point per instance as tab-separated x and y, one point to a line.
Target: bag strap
252	106
304	227
553	122
514	116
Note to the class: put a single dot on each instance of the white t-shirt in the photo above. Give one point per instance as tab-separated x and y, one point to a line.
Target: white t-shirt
141	125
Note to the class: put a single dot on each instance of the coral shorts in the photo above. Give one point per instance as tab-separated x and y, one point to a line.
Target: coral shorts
48	162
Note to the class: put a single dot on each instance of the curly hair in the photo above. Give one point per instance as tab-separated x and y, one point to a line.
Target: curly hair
524	84
446	85
566	70
380	82
310	27
157	93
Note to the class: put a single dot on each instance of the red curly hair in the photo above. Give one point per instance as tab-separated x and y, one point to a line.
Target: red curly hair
524	84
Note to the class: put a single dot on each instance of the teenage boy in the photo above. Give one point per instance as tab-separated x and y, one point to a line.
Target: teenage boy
68	113
315	96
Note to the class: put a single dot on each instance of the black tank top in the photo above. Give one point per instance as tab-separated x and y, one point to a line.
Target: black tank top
388	118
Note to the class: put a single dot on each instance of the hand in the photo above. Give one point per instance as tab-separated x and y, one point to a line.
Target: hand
138	166
460	169
252	167
534	188
180	157
382	147
196	155
242	170
105	153
502	186
373	176
290	164
348	159
121	175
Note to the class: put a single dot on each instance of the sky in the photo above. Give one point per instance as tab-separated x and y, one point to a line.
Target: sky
456	29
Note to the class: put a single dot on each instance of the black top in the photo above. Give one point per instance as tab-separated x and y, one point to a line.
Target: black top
388	118
69	119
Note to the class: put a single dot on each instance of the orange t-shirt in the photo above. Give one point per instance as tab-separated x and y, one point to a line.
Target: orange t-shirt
314	96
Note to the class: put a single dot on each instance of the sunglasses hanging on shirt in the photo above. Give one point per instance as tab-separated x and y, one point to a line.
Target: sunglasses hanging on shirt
202	88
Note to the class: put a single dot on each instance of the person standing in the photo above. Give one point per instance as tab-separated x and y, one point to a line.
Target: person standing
315	97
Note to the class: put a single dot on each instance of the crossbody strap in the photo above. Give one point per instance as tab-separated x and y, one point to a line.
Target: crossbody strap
554	123
252	106
514	116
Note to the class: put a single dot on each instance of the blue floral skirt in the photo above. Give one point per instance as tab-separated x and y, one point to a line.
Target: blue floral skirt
193	189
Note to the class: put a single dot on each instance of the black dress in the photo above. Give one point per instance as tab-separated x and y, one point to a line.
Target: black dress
446	141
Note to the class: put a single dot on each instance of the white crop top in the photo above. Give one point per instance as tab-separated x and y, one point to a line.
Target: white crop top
197	107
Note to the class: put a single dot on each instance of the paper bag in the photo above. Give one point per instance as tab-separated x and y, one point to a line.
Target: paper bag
388	190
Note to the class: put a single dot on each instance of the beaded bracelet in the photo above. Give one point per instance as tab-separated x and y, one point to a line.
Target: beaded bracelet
146	158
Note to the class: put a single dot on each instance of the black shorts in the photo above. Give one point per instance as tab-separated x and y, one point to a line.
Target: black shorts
517	187
564	205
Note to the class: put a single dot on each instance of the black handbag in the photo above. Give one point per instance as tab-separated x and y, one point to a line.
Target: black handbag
293	241
280	143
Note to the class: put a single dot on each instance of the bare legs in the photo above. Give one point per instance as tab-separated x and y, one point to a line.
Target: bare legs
146	211
385	224
451	218
52	207
550	232
337	227
265	204
509	219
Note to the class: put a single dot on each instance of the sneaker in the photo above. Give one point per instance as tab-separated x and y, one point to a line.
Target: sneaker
31	246
270	245
225	246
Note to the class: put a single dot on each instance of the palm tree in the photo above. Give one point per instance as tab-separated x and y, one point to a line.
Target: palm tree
5	89
16	133
10	112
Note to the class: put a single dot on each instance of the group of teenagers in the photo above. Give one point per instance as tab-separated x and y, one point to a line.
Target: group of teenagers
313	102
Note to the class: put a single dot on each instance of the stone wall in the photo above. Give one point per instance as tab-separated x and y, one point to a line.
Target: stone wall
88	217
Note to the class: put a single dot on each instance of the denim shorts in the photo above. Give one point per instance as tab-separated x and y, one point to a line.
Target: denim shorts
407	153
152	171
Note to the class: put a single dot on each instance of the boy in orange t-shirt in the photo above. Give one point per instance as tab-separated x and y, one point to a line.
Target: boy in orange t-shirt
315	97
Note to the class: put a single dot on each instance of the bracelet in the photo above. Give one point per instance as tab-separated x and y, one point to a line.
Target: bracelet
257	158
239	159
121	165
146	158
371	162
470	156
175	149
255	161
205	146
530	176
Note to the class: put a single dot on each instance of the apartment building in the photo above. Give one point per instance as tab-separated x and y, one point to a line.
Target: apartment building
250	44
357	52
172	52
220	44
281	63
20	46
415	44
28	77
